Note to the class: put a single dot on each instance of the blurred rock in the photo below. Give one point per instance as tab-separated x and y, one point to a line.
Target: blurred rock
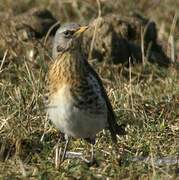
106	42
36	21
119	39
19	33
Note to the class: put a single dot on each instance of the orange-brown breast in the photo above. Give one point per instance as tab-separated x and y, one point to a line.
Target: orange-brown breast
68	68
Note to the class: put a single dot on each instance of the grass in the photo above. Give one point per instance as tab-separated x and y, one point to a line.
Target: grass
147	102
144	97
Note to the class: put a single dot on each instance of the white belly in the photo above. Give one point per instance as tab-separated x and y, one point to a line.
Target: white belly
75	122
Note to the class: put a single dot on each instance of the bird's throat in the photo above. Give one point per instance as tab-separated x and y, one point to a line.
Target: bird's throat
68	68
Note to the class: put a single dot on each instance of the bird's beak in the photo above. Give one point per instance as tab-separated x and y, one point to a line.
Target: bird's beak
81	30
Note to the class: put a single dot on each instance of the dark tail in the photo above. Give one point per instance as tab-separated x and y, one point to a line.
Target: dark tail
115	130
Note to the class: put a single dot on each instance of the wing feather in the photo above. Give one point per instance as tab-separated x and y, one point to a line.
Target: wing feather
113	127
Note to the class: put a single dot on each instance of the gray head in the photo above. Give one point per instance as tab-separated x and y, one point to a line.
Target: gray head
66	36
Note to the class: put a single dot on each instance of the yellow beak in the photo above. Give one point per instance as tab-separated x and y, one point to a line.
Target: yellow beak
81	30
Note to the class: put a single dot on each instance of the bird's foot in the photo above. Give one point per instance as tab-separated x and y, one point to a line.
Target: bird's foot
72	155
78	155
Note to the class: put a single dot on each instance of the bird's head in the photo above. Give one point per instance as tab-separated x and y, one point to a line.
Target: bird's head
67	37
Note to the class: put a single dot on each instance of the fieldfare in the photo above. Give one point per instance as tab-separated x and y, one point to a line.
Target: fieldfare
78	104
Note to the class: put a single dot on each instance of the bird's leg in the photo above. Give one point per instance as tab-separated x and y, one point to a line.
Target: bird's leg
78	154
67	154
92	158
65	148
92	154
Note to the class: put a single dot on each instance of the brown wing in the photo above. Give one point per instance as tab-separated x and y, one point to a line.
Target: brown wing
113	127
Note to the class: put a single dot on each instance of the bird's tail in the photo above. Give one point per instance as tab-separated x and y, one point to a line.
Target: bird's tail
116	129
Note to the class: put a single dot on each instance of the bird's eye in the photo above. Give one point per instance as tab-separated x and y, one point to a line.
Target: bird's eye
59	48
68	33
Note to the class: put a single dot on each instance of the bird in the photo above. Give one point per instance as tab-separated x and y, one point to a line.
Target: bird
77	103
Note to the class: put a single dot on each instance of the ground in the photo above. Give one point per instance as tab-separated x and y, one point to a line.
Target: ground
145	98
